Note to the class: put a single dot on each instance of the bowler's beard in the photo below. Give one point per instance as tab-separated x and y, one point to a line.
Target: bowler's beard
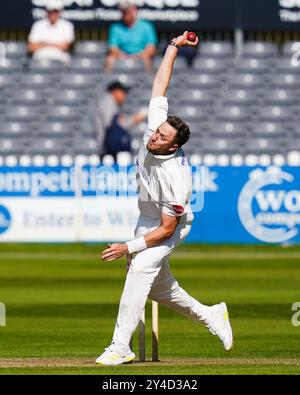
159	152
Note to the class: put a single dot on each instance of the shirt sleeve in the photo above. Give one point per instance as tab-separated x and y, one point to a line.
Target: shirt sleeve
113	36
158	114
35	33
70	36
151	36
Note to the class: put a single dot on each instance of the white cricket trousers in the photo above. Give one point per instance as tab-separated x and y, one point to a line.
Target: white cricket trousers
149	276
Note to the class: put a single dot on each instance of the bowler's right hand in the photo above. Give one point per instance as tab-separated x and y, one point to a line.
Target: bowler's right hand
182	41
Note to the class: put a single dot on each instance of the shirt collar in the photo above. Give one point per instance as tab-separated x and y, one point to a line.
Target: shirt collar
165	157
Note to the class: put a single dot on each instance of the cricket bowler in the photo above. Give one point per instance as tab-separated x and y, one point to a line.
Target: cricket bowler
165	187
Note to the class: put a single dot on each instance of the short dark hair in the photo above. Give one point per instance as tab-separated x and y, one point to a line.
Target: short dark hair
183	129
114	85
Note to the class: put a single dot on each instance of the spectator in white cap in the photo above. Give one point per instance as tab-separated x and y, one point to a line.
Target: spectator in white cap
131	38
51	37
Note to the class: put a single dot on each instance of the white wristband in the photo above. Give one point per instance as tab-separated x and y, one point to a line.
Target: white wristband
136	245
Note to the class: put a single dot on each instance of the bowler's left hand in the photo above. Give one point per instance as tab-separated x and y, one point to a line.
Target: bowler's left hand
114	251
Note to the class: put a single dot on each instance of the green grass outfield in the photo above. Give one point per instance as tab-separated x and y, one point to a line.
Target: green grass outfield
62	302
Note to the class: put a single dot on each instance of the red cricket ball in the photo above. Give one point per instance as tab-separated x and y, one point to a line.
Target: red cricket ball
191	36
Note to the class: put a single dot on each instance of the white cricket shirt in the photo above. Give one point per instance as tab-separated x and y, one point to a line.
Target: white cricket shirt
165	181
44	31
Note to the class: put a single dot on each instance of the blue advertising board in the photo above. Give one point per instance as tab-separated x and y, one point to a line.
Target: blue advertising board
231	204
250	205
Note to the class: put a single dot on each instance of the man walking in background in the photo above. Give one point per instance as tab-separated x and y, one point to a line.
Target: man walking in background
131	38
165	187
112	127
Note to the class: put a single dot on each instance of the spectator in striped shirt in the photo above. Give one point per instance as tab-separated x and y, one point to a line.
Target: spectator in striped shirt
112	126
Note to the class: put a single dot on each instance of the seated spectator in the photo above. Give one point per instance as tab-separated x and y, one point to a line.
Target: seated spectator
112	126
51	38
132	37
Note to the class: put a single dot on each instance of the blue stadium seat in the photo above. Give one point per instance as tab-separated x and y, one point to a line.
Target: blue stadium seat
86	65
285	80
261	146
246	81
49	146
70	97
56	129
253	66
197	97
228	129
87	128
84	146
3	106
15	49
23	113
287	66
246	106
45	66
91	49
234	114
7	81
275	114
282	97
11	66
204	81
270	129
191	147
216	49
62	113
37	80
240	97
294	144
28	97
296	128
192	113
211	65
196	128
260	50
16	129
130	66
12	146
77	81
221	146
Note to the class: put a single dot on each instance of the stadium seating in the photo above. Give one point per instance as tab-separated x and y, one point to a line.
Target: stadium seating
228	129
129	66
86	65
216	49
90	49
16	129
260	50
56	129
28	97
15	49
45	67
235	107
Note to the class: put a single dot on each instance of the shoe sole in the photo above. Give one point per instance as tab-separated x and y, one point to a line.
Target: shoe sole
227	324
126	361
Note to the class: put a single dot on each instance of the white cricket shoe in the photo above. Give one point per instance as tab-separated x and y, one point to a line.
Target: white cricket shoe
219	325
115	356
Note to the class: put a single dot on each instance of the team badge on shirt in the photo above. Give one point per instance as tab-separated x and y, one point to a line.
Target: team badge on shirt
178	209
